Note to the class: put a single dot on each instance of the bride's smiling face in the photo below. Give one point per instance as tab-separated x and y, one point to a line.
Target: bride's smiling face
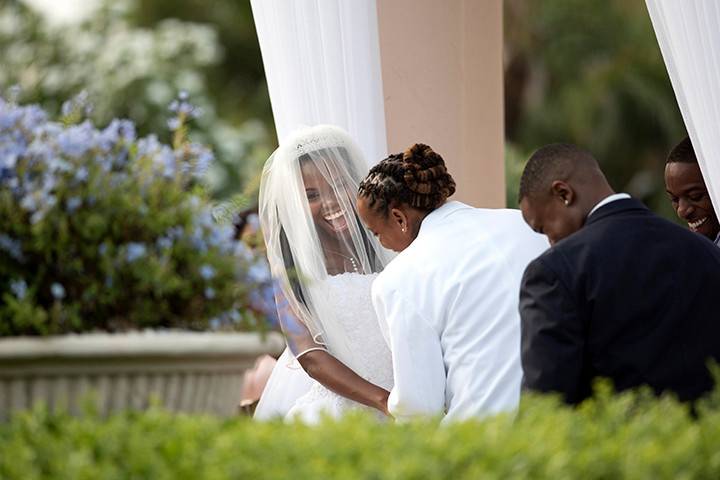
327	212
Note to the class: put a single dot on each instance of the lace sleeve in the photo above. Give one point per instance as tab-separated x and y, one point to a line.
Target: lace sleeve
297	335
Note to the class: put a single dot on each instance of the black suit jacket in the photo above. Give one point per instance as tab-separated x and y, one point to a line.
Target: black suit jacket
631	297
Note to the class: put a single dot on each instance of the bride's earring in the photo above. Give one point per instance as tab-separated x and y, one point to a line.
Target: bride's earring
567	202
404	229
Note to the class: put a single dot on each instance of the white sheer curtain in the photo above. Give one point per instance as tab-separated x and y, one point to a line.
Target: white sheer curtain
322	64
688	32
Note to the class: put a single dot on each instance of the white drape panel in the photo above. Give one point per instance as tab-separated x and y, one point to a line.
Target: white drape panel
688	32
322	64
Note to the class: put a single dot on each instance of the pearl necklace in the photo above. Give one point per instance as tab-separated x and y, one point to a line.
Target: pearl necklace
352	260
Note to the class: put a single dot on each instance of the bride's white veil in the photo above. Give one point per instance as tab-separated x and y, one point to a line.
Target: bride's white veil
312	231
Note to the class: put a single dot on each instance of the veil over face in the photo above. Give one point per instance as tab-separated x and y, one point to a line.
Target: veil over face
312	231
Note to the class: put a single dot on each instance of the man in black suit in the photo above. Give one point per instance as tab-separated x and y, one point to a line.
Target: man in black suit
622	293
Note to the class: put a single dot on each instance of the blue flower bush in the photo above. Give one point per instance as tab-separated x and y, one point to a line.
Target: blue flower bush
102	230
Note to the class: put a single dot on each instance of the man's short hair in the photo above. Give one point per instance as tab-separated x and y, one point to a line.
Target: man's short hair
556	161
683	152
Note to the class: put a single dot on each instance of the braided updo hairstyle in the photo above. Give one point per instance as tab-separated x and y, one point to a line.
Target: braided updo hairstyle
417	177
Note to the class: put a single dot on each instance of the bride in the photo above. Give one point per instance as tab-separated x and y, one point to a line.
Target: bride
323	261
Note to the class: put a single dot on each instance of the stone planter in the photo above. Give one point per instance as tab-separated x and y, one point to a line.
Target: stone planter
182	371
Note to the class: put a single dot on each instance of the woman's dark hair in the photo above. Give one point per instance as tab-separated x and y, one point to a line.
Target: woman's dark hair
417	177
241	220
289	263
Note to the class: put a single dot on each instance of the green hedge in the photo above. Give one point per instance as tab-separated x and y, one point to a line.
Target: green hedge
627	436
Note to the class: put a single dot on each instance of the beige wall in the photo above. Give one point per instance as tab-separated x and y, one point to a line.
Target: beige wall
442	82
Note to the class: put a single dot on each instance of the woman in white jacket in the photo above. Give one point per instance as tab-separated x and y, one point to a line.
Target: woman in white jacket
448	303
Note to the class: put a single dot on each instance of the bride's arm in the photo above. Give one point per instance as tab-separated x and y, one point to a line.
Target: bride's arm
322	366
336	376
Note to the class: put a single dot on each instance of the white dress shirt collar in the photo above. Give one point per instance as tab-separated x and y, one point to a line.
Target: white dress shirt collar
608	199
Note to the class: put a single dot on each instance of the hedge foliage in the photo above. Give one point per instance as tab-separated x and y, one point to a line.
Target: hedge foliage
631	435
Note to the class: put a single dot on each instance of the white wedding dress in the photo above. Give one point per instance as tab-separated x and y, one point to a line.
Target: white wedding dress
348	298
311	227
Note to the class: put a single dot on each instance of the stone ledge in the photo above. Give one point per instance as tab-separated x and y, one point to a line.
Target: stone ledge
146	344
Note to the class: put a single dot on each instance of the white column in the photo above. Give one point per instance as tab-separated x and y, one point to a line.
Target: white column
443	84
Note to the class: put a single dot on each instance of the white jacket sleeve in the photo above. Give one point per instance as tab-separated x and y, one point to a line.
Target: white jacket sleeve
417	357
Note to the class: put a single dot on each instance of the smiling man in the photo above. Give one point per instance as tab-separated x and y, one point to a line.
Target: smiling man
686	188
622	294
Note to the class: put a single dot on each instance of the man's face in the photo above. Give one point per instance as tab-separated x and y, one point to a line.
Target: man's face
548	215
690	199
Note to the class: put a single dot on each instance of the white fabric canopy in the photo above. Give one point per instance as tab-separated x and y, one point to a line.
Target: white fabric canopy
322	64
688	32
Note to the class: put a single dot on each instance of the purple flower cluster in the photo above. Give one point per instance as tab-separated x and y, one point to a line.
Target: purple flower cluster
79	106
11	246
183	109
207	233
37	155
18	288
65	177
198	159
135	251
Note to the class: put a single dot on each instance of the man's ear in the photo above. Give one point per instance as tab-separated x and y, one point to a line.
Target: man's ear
563	192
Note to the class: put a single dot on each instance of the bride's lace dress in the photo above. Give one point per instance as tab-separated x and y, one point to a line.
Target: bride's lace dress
348	298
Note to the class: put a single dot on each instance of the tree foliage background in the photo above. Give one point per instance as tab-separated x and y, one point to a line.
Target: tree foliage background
590	72
582	71
133	57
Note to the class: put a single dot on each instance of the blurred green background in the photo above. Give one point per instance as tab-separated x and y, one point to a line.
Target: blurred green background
590	72
581	71
133	57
